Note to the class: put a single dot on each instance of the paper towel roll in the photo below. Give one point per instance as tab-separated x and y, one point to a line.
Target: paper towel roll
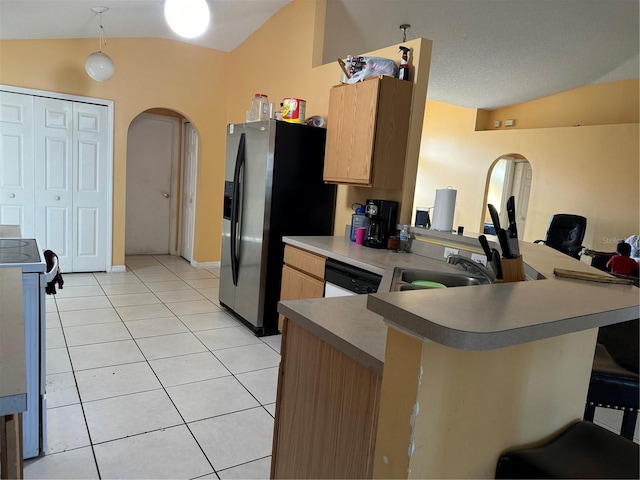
443	209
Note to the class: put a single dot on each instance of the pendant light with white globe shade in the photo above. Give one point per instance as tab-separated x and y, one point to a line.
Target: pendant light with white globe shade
188	18
98	65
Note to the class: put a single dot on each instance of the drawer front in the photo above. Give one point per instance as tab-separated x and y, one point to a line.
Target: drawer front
305	261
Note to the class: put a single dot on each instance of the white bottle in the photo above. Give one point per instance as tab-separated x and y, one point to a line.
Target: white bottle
404	239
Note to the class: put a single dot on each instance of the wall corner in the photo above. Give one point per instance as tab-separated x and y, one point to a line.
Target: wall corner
320	16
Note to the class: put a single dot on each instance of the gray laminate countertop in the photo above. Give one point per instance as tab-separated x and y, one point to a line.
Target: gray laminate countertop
345	323
483	317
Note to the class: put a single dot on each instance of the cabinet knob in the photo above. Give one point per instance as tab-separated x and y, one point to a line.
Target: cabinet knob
12	195
165	195
56	198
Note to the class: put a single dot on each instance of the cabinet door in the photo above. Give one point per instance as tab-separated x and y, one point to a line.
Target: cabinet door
351	132
308	262
390	148
297	286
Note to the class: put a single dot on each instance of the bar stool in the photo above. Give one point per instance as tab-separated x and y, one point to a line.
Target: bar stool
583	450
613	386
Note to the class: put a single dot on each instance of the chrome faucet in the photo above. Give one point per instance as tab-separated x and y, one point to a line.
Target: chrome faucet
472	267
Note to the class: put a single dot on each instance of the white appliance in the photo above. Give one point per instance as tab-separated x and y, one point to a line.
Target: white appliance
25	254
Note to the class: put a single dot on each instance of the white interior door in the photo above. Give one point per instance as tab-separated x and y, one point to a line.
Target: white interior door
189	164
17	162
152	153
54	178
521	189
90	167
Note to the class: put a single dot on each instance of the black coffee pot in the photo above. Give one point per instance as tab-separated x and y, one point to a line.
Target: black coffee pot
382	216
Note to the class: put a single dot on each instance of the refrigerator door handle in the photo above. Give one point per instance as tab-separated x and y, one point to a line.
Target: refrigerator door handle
235	210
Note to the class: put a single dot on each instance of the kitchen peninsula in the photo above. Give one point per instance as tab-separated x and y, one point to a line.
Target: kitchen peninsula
462	374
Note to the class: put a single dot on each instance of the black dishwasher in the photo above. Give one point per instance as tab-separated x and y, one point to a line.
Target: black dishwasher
350	280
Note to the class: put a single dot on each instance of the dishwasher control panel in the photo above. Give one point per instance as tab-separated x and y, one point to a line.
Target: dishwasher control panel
354	279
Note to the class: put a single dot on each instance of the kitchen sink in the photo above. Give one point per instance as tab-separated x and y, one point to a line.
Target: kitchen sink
404	278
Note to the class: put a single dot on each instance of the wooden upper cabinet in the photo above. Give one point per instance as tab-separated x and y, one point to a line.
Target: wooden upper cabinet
367	132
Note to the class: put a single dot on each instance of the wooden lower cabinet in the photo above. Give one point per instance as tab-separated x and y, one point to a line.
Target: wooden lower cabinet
297	285
302	276
326	411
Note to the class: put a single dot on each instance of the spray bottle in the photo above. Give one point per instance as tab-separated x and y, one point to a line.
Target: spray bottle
403	71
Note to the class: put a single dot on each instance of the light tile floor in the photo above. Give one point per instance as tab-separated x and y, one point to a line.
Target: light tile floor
148	377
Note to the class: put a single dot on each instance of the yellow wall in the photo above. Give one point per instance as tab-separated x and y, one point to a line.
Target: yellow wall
149	73
284	47
575	170
208	87
591	171
599	104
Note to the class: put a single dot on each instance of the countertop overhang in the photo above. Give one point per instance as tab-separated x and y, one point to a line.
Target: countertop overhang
482	317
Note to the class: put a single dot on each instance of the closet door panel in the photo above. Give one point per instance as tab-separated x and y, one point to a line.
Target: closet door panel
17	162
53	177
55	235
90	134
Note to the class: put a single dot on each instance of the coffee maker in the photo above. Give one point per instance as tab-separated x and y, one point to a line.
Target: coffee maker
383	217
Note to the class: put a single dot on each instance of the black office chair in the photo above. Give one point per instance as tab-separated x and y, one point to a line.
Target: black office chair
565	234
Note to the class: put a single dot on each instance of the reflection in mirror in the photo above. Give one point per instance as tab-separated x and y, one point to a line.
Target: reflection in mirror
509	175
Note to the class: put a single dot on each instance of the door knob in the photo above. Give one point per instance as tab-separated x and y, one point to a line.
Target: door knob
12	195
57	197
165	195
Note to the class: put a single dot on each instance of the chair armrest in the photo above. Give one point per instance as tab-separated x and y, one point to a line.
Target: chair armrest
538	241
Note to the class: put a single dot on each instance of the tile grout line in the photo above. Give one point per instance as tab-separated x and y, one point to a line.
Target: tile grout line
146	359
84	415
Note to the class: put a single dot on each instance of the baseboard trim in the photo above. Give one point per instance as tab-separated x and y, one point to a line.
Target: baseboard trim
205	264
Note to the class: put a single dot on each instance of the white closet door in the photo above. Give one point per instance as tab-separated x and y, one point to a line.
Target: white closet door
17	162
189	164
90	136
53	178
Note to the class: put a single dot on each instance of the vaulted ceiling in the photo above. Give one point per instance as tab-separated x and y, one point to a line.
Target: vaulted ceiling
486	53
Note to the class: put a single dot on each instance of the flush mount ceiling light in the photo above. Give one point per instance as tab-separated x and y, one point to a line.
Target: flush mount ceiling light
188	18
98	65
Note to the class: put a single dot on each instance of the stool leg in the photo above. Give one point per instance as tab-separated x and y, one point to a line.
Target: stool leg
589	412
629	423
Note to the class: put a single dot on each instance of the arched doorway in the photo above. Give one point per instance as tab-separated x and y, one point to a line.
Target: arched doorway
162	150
509	175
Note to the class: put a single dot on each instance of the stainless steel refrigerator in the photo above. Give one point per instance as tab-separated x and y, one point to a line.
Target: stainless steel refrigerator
273	188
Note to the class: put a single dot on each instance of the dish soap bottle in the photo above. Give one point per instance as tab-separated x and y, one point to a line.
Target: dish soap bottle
404	239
